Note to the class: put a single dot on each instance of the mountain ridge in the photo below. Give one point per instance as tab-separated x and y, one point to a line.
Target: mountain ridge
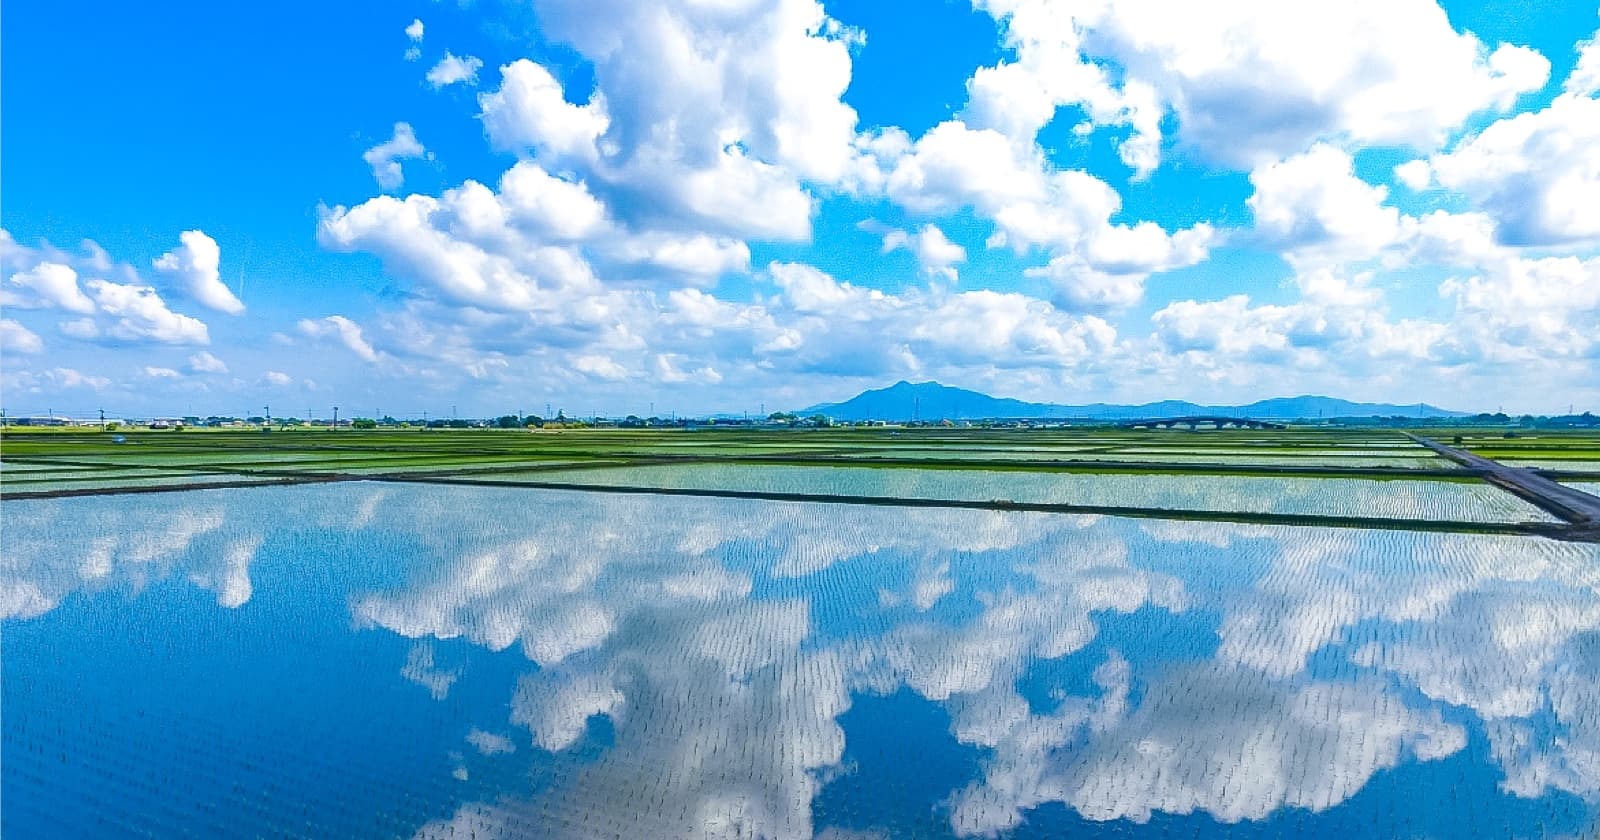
934	401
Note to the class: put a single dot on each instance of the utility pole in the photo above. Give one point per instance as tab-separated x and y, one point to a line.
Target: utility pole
336	418
102	419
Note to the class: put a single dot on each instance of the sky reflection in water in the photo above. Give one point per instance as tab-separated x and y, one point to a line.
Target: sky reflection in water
399	661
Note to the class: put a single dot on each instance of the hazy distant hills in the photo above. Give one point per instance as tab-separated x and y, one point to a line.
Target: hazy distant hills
932	401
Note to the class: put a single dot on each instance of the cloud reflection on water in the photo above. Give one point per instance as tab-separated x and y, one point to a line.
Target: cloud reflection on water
53	548
721	642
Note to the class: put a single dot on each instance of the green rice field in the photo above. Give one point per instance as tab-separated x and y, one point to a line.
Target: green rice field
1317	475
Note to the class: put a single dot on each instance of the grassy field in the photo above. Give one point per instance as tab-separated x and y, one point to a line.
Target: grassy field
51	454
75	456
1354	477
1568	452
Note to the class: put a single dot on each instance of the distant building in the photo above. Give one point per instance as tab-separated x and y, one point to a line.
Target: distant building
46	420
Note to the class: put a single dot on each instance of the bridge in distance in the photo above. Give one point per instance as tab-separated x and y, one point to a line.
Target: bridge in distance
1196	421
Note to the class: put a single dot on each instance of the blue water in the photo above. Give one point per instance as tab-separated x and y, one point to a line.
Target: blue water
364	660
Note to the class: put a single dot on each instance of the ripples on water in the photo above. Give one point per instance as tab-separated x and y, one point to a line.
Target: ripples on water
447	662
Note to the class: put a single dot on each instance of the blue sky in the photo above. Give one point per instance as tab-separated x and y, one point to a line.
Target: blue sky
707	207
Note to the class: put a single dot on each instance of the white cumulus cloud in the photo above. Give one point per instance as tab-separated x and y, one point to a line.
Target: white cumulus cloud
15	338
1585	76
1536	173
52	285
1252	80
385	157
453	69
698	116
346	331
203	362
935	253
195	264
1313	205
139	313
69	378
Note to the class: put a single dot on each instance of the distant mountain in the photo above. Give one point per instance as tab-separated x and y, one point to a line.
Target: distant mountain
932	401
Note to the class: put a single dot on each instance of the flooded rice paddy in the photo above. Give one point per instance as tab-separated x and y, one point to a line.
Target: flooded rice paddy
421	661
1465	501
1570	465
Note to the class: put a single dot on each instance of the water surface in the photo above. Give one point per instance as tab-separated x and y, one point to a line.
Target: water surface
1460	501
367	660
